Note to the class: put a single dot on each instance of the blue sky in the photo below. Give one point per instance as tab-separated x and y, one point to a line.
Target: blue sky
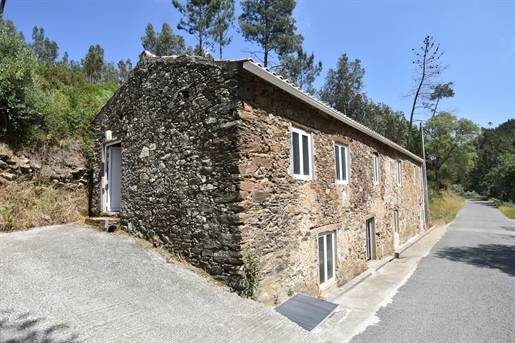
478	38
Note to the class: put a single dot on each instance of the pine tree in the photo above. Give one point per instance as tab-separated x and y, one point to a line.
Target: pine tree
427	59
199	21
124	68
270	24
300	69
45	50
343	88
224	18
93	64
164	43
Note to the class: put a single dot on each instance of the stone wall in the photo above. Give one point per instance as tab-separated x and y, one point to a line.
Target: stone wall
284	216
177	123
206	173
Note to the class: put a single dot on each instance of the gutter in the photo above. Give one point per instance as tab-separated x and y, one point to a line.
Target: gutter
318	104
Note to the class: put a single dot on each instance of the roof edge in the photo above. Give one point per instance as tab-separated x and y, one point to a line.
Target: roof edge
267	76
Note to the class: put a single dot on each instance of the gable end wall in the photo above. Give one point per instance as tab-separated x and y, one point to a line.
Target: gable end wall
176	120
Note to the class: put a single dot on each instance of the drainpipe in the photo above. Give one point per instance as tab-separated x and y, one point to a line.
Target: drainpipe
424	178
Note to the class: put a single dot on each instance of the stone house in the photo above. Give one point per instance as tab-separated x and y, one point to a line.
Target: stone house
216	160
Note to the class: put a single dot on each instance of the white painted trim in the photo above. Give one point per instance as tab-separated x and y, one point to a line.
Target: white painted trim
301	133
328	281
398	172
347	163
376	168
105	194
318	104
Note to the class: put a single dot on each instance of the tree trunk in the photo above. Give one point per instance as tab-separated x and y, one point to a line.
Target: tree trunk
2	5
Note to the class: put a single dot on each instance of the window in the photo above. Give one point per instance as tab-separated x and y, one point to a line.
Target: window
375	158
395	229
370	239
414	175
326	256
398	170
341	158
302	154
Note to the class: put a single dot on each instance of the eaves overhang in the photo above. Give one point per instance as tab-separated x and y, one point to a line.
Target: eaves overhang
318	104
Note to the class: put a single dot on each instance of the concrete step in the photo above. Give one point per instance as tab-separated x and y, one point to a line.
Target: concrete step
109	224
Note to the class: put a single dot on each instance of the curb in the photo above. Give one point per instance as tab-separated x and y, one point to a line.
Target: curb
358	279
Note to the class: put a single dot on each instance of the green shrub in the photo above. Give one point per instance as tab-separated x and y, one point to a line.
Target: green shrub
250	274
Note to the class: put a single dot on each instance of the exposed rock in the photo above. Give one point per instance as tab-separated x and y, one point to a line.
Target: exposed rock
25	169
8	176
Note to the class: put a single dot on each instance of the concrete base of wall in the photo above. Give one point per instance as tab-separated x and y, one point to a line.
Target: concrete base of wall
109	224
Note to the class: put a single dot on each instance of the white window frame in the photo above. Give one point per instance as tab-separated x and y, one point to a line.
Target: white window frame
396	229
414	175
398	172
370	237
301	175
323	258
339	151
376	168
396	221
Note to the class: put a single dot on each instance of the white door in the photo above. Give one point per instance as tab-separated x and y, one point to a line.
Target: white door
113	180
395	229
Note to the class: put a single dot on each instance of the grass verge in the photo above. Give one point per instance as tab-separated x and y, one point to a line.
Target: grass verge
507	208
25	205
444	207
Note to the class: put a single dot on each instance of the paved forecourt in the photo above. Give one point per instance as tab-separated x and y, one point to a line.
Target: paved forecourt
74	284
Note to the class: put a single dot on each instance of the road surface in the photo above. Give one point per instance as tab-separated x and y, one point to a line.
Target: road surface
463	291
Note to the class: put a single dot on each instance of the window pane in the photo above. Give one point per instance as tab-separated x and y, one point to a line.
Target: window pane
337	159
376	168
321	260
330	256
296	153
305	154
344	164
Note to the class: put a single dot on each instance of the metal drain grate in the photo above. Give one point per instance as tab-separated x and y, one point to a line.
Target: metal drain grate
306	311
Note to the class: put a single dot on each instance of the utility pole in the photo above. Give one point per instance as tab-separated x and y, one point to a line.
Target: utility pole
424	178
2	5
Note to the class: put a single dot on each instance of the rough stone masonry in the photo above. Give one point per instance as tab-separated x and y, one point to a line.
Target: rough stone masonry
207	173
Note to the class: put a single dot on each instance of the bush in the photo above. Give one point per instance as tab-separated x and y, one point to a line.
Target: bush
508	208
457	189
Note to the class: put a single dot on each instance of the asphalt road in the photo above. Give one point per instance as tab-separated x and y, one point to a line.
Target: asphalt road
463	291
74	284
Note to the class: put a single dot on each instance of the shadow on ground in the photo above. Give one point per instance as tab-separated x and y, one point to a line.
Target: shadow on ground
26	328
494	256
484	203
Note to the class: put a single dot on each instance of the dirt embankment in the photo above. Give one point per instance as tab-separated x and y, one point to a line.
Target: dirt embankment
63	165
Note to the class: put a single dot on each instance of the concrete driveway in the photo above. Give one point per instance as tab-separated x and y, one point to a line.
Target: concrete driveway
69	283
